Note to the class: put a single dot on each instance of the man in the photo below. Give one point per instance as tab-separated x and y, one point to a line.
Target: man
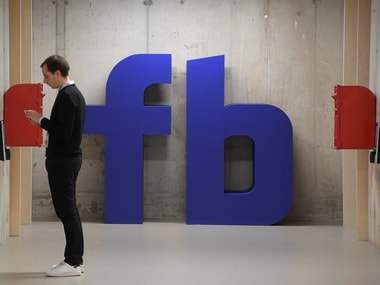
64	158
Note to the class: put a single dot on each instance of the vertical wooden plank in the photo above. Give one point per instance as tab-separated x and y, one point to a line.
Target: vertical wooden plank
364	41
26	152
15	192
20	41
350	41
364	34
26	185
357	15
26	41
14	77
362	194
349	158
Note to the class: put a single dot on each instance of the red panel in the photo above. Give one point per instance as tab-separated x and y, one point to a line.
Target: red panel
18	130
355	117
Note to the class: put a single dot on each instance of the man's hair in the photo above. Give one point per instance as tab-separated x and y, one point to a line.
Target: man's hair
57	62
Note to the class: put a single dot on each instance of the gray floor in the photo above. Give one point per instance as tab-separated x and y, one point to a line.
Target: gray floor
178	254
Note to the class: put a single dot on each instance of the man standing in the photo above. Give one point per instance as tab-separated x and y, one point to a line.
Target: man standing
64	158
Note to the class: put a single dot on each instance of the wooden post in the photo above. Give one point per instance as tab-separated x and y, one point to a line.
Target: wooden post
357	25
20	46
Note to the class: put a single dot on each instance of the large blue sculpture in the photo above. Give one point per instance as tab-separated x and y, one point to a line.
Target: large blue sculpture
125	120
209	123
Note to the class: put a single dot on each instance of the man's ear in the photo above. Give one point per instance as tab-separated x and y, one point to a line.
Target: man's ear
58	73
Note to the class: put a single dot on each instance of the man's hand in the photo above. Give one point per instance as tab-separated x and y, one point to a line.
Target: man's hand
33	117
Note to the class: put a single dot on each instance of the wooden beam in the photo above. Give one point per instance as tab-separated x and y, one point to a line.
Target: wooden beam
364	43
14	78
20	46
349	78
26	77
356	54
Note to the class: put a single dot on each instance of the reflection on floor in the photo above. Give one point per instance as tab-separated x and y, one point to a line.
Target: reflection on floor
179	254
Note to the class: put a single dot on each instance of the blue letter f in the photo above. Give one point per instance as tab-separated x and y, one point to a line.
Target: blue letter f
124	121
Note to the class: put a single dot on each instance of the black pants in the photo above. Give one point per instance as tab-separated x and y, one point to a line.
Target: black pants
62	175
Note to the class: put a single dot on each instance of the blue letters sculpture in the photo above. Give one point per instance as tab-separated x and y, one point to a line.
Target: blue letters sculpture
125	120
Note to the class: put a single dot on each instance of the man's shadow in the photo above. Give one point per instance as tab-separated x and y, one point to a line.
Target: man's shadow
21	275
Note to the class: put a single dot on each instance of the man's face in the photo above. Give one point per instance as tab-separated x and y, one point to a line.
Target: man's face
50	78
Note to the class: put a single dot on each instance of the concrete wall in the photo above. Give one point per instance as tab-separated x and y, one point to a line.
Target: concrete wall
285	53
4	79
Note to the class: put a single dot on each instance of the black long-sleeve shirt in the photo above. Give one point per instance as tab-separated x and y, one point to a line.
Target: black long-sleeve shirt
65	126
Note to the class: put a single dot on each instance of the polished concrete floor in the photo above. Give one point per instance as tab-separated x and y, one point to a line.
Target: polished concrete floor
179	254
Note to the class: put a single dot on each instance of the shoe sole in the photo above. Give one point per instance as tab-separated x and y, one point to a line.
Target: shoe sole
64	274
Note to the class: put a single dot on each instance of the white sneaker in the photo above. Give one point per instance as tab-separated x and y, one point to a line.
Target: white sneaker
63	269
81	266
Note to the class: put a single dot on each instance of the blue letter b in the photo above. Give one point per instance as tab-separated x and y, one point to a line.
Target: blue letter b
209	123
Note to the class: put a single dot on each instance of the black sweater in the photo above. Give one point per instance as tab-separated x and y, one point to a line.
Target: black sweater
65	125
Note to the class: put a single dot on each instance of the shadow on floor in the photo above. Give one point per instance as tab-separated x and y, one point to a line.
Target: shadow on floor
21	275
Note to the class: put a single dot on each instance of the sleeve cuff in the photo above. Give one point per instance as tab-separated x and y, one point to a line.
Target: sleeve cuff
40	120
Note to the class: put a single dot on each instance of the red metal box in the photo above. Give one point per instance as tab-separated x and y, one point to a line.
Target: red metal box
18	130
355	118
